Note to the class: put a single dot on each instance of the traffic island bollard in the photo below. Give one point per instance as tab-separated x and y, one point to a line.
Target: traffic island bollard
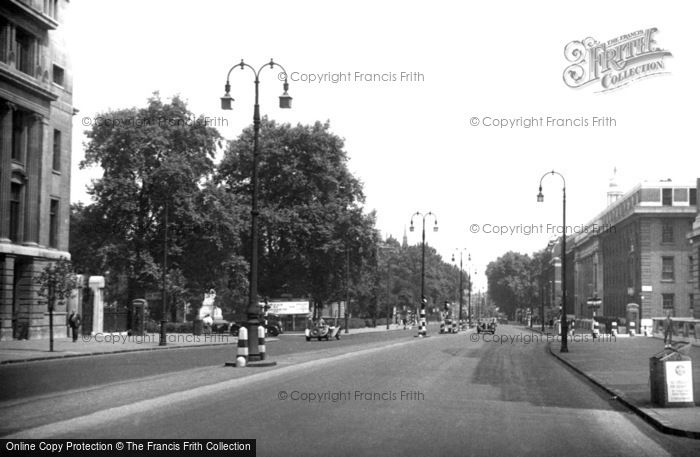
261	342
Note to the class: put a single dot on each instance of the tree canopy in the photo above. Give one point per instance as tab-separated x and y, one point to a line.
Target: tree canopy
315	238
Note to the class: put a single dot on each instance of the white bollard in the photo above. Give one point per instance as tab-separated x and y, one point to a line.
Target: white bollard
242	346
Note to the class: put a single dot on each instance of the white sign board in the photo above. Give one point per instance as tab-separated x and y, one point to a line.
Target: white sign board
679	381
289	307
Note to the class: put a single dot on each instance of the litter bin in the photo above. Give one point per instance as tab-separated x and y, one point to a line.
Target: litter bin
671	378
197	327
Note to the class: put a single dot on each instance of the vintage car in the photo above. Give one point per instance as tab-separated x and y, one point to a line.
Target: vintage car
321	330
272	328
483	327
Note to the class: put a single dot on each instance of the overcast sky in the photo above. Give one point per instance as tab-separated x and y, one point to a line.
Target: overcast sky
411	142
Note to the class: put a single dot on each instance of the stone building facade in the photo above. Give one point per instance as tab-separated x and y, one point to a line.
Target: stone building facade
36	113
637	251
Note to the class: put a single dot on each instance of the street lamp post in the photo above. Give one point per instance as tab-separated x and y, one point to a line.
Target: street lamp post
347	288
163	320
253	310
564	322
390	250
461	287
469	288
423	300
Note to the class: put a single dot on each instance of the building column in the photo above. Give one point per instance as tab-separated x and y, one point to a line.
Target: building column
34	157
6	110
97	283
7	275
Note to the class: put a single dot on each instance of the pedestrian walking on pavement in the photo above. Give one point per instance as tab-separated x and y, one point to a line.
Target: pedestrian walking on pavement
74	322
668	330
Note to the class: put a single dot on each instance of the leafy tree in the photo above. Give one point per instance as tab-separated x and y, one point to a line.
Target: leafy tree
56	282
157	162
510	282
311	218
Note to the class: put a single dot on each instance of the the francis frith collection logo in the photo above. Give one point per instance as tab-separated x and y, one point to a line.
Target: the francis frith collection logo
614	63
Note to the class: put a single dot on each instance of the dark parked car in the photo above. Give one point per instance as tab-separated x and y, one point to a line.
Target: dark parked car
484	327
273	328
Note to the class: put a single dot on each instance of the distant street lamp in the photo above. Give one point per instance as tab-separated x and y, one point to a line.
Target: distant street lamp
564	322
390	250
461	287
253	310
347	288
423	300
164	298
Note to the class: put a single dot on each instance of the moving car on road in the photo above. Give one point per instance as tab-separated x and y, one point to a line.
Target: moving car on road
321	330
483	327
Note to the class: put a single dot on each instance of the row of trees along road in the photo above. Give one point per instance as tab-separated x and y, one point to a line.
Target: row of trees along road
314	233
518	280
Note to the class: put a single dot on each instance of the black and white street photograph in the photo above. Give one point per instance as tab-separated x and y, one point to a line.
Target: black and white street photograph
371	228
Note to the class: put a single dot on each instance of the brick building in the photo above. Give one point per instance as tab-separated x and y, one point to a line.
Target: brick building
694	257
36	111
636	251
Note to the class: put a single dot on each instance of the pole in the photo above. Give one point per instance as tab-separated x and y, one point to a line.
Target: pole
347	287
542	293
422	269
461	292
564	320
163	341
52	301
388	279
253	310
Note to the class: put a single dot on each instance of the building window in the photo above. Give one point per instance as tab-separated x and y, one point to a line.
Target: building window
649	195
51	8
691	265
667	232
53	223
667	197
667	269
58	75
25	52
57	150
693	197
18	138
15	202
3	40
680	195
667	301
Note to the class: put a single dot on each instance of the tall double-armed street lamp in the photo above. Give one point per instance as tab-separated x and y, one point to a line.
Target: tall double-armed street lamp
423	300
461	287
390	250
564	322
254	310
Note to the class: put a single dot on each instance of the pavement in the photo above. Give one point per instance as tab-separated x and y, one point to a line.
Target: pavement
621	367
20	351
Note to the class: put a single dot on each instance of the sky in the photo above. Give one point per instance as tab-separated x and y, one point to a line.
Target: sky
417	90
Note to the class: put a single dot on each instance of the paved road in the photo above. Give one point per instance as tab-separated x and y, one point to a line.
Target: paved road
444	395
50	376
